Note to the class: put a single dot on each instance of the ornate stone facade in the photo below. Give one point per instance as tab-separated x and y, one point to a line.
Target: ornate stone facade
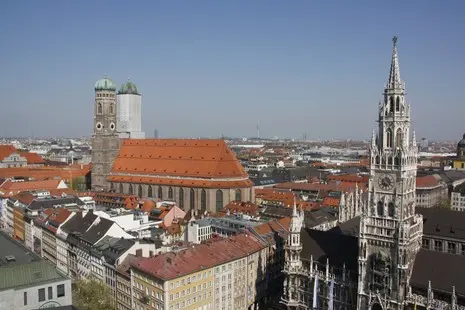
380	266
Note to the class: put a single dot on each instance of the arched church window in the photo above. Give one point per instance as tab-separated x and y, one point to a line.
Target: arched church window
203	199
170	193
192	199
389	160
99	108
130	189
181	197
160	192
238	195
391	104
380	208
399	138
397	160
112	108
398	104
120	188
150	191
219	200
391	209
388	138
139	191
377	160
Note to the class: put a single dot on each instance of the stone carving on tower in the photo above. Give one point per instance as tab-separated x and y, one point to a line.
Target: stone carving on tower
105	140
293	265
390	231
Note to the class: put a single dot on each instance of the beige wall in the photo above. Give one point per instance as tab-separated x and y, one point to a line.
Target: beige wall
228	195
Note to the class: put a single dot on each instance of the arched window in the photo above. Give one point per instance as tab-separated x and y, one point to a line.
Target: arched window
397	160
219	200
160	192
181	198
170	193
399	138
377	159
238	195
388	138
380	208
130	189
398	104
149	191
203	199
121	190
391	104
139	191
391	209
112	108
99	108
112	186
192	199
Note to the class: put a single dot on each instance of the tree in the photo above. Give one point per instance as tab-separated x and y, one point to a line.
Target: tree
92	294
444	203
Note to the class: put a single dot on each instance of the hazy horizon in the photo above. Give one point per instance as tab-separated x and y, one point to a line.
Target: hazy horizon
208	68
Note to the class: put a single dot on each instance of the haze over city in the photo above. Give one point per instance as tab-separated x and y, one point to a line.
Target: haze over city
206	68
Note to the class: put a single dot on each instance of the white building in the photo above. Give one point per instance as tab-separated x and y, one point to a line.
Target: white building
129	112
130	222
29	282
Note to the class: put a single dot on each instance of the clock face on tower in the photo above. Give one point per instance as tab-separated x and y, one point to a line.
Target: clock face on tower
386	181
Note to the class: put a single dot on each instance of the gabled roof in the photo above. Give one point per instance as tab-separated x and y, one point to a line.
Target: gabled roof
112	248
32	158
158	159
78	223
50	202
57	218
6	150
14	187
172	265
443	222
97	231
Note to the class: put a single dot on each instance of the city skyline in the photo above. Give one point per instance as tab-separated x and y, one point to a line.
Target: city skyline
205	69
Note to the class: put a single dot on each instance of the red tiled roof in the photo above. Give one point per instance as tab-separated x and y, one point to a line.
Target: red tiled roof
30	185
427	181
348	178
172	265
32	158
316	186
40	173
242	207
59	216
6	150
330	202
210	159
271	226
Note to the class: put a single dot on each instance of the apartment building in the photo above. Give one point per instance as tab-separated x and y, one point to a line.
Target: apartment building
430	191
457	198
218	274
123	283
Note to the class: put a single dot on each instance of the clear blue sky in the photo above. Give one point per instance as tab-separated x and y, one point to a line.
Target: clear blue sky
210	67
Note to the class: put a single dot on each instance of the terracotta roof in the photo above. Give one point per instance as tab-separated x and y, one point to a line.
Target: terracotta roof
330	202
148	205
242	207
6	150
285	199
40	173
30	185
348	178
427	181
271	226
56	218
316	186
24	197
210	159
172	265
32	158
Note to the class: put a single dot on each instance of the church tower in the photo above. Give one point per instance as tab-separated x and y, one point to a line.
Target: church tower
105	140
390	231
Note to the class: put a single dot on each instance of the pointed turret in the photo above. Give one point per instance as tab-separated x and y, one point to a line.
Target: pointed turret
394	81
373	140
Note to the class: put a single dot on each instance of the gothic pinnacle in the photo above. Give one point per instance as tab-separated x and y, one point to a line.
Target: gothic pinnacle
394	81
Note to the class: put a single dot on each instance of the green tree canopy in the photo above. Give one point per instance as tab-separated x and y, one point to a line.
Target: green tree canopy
92	294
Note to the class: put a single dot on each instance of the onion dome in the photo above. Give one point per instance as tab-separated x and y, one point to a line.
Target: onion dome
105	84
128	88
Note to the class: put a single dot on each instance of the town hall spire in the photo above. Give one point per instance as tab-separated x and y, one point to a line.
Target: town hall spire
394	81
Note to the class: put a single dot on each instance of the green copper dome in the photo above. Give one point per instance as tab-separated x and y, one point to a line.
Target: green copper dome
105	84
128	88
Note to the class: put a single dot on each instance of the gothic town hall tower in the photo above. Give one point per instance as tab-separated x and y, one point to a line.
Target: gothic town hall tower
390	231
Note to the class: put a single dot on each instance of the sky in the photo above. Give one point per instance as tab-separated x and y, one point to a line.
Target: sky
207	68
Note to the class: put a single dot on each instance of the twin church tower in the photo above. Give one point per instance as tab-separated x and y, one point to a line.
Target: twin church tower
116	116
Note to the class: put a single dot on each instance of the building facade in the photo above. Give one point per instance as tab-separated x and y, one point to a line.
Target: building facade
105	139
129	112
